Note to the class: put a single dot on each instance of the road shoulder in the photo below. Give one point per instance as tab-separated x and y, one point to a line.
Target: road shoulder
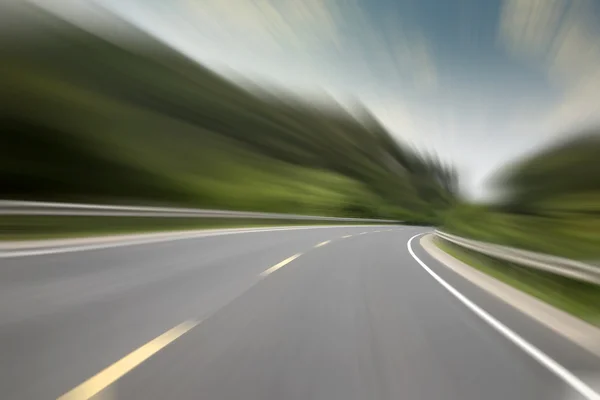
576	330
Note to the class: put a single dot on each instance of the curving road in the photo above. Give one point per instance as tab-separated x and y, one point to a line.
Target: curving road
327	313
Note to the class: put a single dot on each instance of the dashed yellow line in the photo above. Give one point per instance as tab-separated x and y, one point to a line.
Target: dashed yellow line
111	374
114	372
279	265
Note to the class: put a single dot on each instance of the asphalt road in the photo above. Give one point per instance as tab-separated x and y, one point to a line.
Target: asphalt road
352	316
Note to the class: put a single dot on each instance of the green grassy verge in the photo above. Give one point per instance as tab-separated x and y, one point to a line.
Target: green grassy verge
575	236
43	227
577	298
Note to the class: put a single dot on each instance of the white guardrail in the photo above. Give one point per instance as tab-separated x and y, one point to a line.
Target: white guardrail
32	208
556	265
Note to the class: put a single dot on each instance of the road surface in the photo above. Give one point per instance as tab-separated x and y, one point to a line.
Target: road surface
338	313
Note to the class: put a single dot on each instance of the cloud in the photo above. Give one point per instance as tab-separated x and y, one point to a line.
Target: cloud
423	65
575	54
333	36
527	27
409	50
561	38
575	63
283	24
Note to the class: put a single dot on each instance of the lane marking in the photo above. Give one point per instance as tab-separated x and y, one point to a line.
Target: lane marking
279	265
111	374
541	357
346	236
363	233
322	243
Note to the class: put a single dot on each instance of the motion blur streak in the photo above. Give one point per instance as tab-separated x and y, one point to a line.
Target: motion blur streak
137	136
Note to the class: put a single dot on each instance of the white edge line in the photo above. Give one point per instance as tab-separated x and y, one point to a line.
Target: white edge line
524	345
142	240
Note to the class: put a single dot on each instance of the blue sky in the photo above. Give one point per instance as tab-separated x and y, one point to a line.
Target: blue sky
480	82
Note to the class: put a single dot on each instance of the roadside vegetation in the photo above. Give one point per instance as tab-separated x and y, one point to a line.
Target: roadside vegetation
580	299
87	119
550	203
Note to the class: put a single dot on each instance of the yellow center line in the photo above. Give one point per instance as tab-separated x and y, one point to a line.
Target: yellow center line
111	374
346	237
322	243
281	264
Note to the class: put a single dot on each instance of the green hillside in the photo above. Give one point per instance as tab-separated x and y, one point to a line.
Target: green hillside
90	119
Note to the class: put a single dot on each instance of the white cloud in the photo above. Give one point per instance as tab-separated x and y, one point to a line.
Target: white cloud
326	35
283	24
423	64
527	27
561	37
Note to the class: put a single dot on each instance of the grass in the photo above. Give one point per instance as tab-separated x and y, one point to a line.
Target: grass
575	236
577	298
44	227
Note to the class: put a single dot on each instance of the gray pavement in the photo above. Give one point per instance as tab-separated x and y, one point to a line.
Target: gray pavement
356	318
